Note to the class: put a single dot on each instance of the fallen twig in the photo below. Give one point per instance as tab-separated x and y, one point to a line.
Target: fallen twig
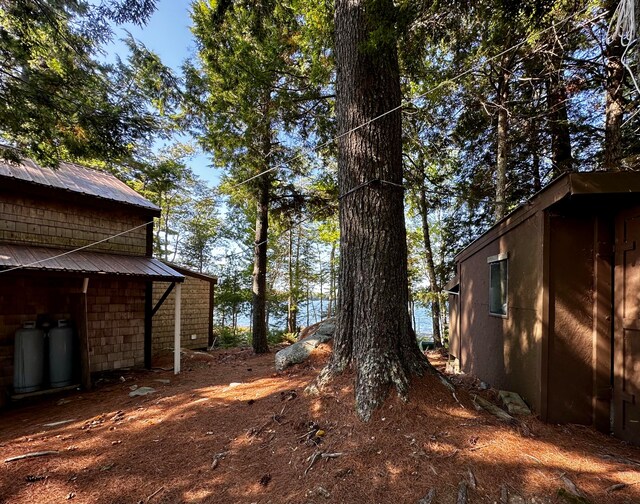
504	495
317	455
532	457
479	447
155	493
446	382
313	458
31	455
622	460
472	479
573	490
428	499
462	493
620	486
217	458
493	409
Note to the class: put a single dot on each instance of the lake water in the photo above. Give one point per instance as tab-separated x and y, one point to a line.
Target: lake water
423	321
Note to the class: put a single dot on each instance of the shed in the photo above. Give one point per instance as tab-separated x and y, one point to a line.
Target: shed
547	303
198	291
77	244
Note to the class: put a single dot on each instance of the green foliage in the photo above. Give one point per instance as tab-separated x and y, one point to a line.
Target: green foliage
228	337
57	101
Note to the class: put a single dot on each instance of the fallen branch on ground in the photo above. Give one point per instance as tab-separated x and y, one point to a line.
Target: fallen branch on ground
155	493
317	455
428	499
31	455
493	409
462	493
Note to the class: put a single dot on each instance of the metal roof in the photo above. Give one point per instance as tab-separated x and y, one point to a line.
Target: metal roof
191	273
75	178
29	258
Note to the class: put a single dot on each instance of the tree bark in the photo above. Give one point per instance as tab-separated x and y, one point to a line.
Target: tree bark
614	110
291	307
431	268
561	158
502	138
534	140
332	280
373	327
259	287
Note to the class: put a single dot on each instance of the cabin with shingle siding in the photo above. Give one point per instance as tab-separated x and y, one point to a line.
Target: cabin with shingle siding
77	244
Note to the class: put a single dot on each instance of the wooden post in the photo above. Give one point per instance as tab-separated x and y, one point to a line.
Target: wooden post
80	317
176	339
148	323
212	287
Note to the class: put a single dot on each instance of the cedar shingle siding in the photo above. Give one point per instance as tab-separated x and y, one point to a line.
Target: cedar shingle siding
31	221
195	313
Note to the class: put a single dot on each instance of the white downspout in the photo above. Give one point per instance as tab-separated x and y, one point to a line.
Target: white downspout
176	337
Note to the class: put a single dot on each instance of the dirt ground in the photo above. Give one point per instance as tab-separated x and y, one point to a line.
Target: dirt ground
230	430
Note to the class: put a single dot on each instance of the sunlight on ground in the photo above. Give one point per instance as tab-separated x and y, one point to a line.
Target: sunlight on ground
393	471
197	495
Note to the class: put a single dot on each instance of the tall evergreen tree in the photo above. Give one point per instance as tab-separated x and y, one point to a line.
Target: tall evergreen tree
56	99
373	327
255	81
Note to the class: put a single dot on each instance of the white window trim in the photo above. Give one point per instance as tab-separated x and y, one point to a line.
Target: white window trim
498	258
504	256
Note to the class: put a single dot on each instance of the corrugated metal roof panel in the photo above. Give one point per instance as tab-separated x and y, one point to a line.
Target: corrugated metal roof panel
75	178
29	258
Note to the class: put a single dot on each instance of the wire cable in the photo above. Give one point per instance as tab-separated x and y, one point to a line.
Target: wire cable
35	263
418	96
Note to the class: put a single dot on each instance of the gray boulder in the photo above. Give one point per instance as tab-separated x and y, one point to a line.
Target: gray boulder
301	350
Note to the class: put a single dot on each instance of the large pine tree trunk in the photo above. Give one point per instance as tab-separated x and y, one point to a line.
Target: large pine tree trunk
614	110
373	326
502	146
332	280
431	268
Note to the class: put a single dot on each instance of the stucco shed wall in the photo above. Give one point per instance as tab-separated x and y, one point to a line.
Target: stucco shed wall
505	351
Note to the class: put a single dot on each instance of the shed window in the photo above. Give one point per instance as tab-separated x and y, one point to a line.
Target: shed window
498	278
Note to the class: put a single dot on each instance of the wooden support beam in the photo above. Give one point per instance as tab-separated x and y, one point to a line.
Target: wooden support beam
163	298
79	315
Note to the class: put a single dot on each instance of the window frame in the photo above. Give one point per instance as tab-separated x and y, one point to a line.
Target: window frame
496	259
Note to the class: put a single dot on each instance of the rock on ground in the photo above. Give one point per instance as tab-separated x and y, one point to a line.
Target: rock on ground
301	350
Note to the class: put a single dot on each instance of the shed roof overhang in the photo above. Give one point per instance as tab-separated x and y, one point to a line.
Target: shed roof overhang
562	188
26	258
452	286
195	274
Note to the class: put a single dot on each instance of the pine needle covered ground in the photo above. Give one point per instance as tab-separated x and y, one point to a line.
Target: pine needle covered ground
230	430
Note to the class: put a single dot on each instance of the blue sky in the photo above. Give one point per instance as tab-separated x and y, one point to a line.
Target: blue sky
168	35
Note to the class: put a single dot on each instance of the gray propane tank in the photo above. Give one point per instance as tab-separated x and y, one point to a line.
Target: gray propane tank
61	355
28	359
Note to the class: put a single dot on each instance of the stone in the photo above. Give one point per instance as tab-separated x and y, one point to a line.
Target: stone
327	328
514	403
142	391
301	350
163	380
